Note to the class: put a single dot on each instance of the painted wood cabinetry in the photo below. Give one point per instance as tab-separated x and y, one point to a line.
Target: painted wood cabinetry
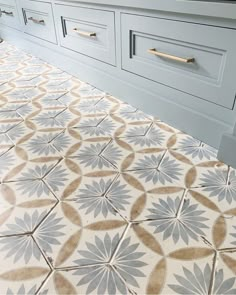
38	20
88	31
194	58
173	59
9	14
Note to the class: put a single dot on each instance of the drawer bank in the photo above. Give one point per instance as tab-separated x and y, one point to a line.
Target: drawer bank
173	59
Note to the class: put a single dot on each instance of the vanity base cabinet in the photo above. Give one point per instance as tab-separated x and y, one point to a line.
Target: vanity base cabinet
178	70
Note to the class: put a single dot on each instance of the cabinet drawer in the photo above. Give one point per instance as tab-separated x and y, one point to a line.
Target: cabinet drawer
9	14
38	20
87	31
196	59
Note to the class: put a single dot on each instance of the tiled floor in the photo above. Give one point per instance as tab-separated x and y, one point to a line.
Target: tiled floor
97	197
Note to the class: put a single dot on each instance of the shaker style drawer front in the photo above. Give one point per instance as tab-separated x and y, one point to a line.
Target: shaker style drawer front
38	19
88	31
196	59
9	14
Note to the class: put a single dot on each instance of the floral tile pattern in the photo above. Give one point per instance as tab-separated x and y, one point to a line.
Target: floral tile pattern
97	197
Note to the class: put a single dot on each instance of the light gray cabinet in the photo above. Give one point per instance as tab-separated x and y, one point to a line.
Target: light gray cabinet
193	58
9	14
38	20
87	31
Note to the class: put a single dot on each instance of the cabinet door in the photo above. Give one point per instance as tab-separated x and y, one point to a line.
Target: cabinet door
8	14
87	31
38	20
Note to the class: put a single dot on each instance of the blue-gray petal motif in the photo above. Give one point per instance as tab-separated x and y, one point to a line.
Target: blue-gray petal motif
220	184
105	277
198	282
155	169
188	224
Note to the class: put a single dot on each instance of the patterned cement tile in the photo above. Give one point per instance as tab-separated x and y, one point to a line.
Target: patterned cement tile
98	197
25	170
22	269
23	206
99	125
66	233
155	136
162	269
101	153
154	167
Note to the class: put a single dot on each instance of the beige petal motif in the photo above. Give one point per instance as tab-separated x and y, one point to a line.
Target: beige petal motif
231	212
157	278
97	139
71	214
229	261
21	153
36	203
151	150
191	253
63	286
30	125
71	188
219	231
8	194
171	141
138	206
165	127
127	161
24	273
100	173
14	171
165	190
73	149
181	157
190	177
34	113
133	182
204	201
73	166
117	119
147	239
5	215
211	164
68	248
120	130
74	133
75	112
45	159
123	144
106	225
26	137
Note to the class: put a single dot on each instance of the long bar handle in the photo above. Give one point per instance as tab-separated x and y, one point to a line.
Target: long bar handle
41	21
7	12
169	56
84	33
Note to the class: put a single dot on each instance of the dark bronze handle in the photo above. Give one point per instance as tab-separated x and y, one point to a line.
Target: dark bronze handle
41	21
7	12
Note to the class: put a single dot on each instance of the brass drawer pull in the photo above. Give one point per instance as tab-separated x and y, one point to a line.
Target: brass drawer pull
41	21
7	12
173	57
83	33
